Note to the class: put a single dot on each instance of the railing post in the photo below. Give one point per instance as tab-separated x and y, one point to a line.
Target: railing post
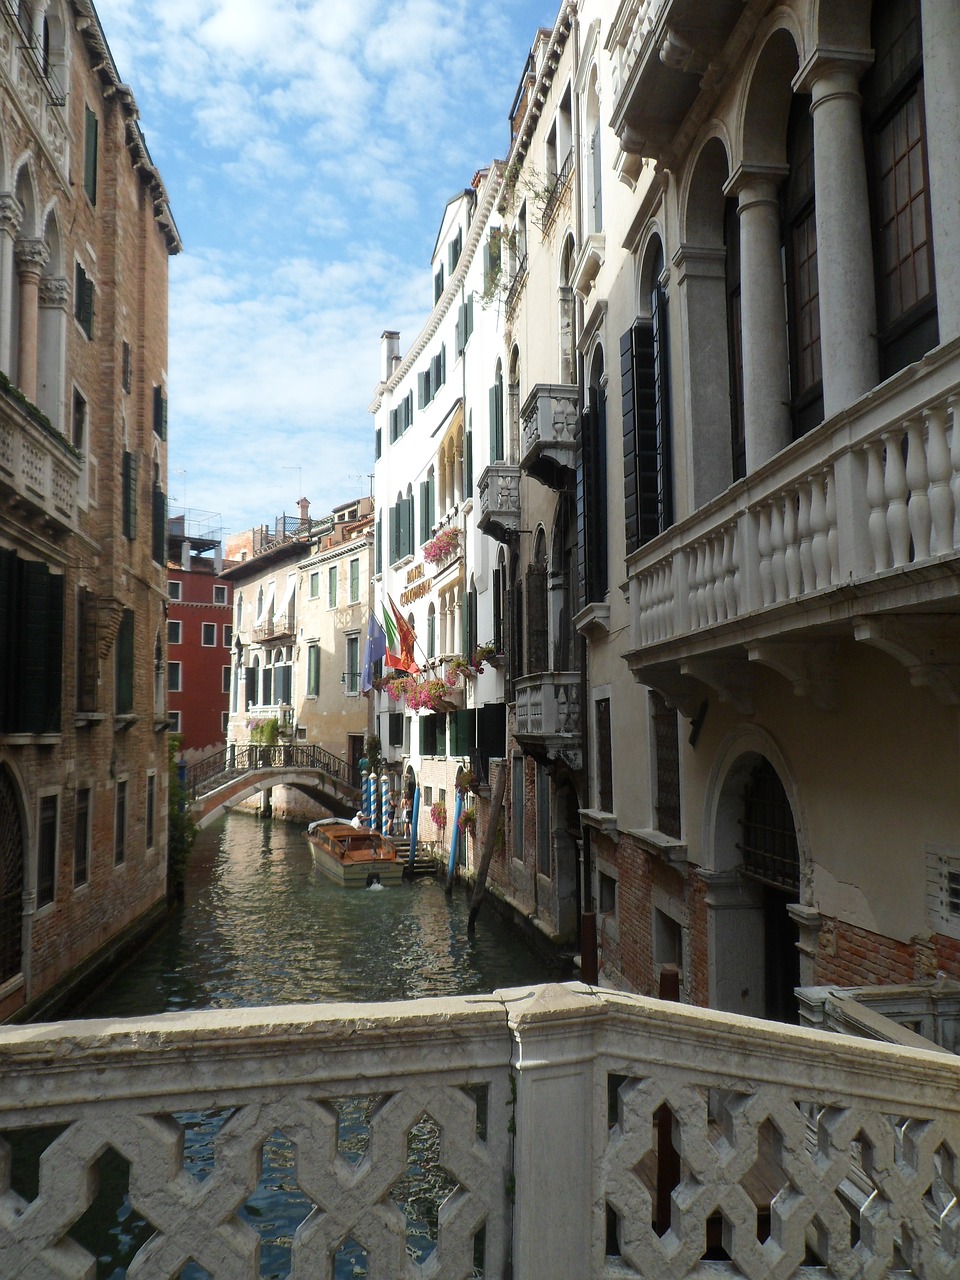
853	517
554	1216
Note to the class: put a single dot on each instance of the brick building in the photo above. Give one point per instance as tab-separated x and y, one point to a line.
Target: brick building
199	637
85	237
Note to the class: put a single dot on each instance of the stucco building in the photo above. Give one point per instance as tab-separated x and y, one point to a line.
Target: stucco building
85	237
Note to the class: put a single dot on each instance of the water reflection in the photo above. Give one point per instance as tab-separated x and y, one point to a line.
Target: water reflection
262	927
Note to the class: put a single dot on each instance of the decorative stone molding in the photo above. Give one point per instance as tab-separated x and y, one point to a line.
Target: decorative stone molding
31	256
926	645
54	292
11	214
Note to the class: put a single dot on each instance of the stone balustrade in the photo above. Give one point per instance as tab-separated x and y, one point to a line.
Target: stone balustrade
548	447
548	707
634	21
874	490
498	490
38	465
582	1134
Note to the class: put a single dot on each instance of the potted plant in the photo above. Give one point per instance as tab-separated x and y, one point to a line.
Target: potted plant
468	820
441	546
438	815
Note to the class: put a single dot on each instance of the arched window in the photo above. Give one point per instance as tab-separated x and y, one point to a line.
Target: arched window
537	616
432	631
568	322
899	187
592	486
496	416
594	167
803	281
239	621
514	406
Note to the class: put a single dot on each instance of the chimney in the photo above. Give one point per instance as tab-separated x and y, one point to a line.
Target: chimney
304	505
389	353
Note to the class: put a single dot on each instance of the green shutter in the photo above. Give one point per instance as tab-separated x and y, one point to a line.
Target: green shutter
492	398
468	465
123	664
159	530
40	675
131	474
91	138
394	534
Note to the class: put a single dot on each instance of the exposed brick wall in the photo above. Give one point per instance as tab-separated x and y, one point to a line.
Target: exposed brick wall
852	957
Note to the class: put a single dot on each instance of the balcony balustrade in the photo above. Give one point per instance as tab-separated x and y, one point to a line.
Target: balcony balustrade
853	529
277	625
704	1143
38	466
548	716
549	435
499	492
516	285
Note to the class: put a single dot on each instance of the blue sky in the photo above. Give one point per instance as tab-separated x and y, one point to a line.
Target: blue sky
309	147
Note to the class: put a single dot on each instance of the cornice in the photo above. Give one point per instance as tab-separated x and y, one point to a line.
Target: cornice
538	93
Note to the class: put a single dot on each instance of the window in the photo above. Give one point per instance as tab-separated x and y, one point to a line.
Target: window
464	323
81	839
225	723
173	632
431	379
604	755
47	850
159	413
899	183
126	368
31	646
803	279
225	682
354	581
174	590
79	421
667	744
87	656
454	250
395	729
496	417
120	825
943	890
151	808
227	635
91	133
401	417
432	631
433	736
208	634
83	300
123	666
353	664
158	530
219	595
592	491
427	506
438	285
173	677
313	670
314	584
332	587
175	721
401	528
131	475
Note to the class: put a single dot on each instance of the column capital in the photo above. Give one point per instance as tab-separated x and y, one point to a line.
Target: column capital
837	70
693	262
11	214
54	292
756	184
31	255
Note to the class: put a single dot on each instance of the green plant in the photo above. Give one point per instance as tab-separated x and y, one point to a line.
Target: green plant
181	828
438	814
265	733
468	820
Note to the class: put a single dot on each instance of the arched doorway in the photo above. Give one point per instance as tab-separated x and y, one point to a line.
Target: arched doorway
754	959
11	878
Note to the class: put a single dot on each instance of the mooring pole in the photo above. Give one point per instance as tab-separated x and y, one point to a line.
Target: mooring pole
489	841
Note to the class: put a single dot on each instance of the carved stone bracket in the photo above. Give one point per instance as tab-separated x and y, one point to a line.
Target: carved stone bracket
109	614
810	668
928	646
682	692
730	678
11	214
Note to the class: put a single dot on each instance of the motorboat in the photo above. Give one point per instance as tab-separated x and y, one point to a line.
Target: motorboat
353	856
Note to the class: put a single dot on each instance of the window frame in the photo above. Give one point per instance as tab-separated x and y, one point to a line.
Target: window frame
208	629
174	677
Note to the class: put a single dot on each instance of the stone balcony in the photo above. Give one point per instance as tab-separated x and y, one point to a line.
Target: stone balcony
548	716
278	626
499	492
581	1134
852	531
40	473
549	435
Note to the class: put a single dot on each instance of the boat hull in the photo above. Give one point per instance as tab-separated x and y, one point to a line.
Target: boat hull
354	859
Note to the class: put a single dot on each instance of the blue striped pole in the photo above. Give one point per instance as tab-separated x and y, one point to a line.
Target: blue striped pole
414	819
364	794
454	840
384	801
371	805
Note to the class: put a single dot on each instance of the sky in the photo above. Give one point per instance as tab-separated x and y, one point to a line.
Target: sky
308	148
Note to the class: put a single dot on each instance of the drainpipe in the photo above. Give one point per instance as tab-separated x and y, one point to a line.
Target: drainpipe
588	919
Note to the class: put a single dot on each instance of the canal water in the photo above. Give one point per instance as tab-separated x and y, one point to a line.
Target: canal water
262	927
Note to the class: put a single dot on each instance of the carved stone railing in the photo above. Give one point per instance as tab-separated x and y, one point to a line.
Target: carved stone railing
905	1014
547	711
581	1134
548	448
38	465
863	501
499	492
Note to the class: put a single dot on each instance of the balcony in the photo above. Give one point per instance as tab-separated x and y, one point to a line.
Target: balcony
771	1151
559	189
548	716
851	531
38	467
278	626
516	285
662	50
549	435
499	492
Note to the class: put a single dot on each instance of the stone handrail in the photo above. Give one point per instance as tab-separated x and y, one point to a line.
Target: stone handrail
589	1135
38	463
875	489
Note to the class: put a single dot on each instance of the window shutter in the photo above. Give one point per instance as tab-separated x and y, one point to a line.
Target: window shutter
40	675
405	531
468	326
159	413
86	650
627	392
8	637
159	539
124	664
91	132
442	365
424	527
410	525
494	448
468	464
394	425
431	502
378	443
378	546
421	390
131	473
497	611
536	618
461	324
394	534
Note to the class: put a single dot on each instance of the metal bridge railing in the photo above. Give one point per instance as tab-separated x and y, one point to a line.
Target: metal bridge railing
235	760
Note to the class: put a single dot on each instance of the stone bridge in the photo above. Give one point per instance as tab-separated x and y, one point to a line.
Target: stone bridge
578	1134
220	782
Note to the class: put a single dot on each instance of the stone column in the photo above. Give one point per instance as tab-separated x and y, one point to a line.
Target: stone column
941	91
54	298
31	259
11	215
848	311
766	370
